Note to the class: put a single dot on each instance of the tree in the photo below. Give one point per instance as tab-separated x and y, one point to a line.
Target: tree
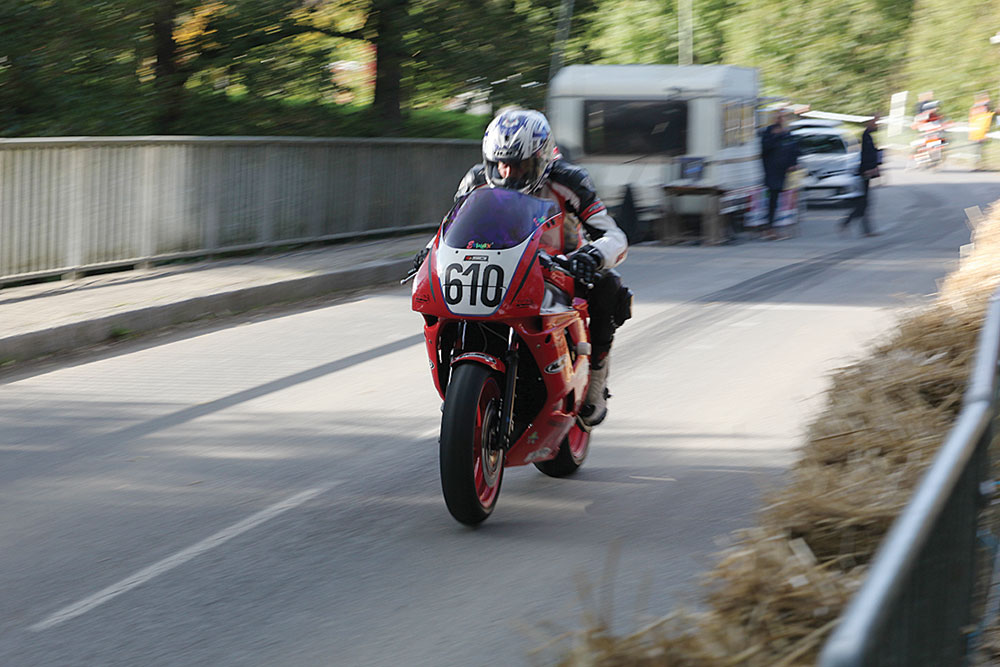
169	79
843	56
388	20
499	47
227	36
956	62
83	76
645	31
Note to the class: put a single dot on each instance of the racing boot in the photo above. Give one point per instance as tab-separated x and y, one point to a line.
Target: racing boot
595	405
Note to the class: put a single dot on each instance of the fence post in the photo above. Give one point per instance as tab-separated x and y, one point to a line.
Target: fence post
74	219
147	205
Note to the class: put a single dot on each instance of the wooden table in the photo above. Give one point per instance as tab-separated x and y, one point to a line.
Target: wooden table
712	229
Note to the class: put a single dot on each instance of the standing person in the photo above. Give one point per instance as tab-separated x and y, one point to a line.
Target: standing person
519	153
779	152
867	169
980	119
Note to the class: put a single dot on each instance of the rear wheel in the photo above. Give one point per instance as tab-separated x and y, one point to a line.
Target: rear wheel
572	453
471	455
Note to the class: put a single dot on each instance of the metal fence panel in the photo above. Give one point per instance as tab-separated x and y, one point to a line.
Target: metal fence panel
71	204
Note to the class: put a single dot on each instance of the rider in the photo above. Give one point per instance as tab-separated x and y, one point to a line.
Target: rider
519	153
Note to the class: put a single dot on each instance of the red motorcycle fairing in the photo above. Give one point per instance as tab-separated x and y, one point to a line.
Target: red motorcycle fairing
565	382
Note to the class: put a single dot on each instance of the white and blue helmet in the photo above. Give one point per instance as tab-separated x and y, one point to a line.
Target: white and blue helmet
519	135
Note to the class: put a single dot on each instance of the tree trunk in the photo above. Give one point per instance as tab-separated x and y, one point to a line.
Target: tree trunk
169	83
390	23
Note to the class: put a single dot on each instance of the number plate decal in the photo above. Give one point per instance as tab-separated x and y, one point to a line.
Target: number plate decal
475	284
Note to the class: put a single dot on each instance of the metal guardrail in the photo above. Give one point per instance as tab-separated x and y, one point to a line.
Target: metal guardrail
74	204
916	603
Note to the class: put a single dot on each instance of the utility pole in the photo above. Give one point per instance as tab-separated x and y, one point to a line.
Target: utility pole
995	40
685	38
562	33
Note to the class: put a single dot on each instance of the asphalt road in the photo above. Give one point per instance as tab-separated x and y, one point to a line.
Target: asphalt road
266	493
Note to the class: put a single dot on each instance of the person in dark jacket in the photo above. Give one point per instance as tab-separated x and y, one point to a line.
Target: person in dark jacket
779	151
867	169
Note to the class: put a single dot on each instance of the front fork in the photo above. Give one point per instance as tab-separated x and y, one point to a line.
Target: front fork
507	407
506	425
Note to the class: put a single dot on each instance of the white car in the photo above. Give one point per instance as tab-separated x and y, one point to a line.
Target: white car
829	158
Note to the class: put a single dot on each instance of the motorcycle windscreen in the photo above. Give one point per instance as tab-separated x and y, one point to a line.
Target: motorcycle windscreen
482	245
495	219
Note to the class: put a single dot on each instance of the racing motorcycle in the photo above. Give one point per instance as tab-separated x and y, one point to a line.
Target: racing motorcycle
508	344
928	149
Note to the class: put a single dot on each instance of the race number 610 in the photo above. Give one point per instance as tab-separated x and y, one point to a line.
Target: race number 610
489	292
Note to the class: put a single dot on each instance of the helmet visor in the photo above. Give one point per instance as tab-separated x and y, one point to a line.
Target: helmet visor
513	174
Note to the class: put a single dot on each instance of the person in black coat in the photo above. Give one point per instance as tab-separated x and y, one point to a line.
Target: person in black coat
867	169
779	151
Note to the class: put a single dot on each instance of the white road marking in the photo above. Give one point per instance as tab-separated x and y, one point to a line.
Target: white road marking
156	569
431	434
653	479
809	307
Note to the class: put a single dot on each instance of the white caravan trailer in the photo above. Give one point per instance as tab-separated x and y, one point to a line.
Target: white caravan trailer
660	129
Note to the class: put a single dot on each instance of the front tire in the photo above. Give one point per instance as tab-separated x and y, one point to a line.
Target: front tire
471	456
572	453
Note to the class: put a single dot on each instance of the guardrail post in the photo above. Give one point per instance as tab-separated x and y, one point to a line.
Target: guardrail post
74	218
211	163
269	189
147	205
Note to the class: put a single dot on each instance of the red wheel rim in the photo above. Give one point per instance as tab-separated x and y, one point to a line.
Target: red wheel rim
487	457
579	441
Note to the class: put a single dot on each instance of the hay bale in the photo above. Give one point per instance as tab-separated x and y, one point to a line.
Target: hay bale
776	593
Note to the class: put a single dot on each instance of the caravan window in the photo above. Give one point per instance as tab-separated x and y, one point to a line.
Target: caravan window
738	123
749	124
635	127
732	118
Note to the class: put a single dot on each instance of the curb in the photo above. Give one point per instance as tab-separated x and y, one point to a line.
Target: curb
67	337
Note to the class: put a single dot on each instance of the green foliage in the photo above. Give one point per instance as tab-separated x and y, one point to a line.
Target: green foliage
221	114
306	66
844	56
950	51
646	31
635	31
475	43
48	74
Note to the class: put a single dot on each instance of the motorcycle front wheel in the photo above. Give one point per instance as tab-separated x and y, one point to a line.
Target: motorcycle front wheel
471	455
572	452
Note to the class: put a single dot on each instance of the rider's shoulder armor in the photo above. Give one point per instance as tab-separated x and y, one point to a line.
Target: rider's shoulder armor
576	179
578	182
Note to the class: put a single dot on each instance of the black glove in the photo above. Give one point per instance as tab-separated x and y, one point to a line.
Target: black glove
584	264
418	259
